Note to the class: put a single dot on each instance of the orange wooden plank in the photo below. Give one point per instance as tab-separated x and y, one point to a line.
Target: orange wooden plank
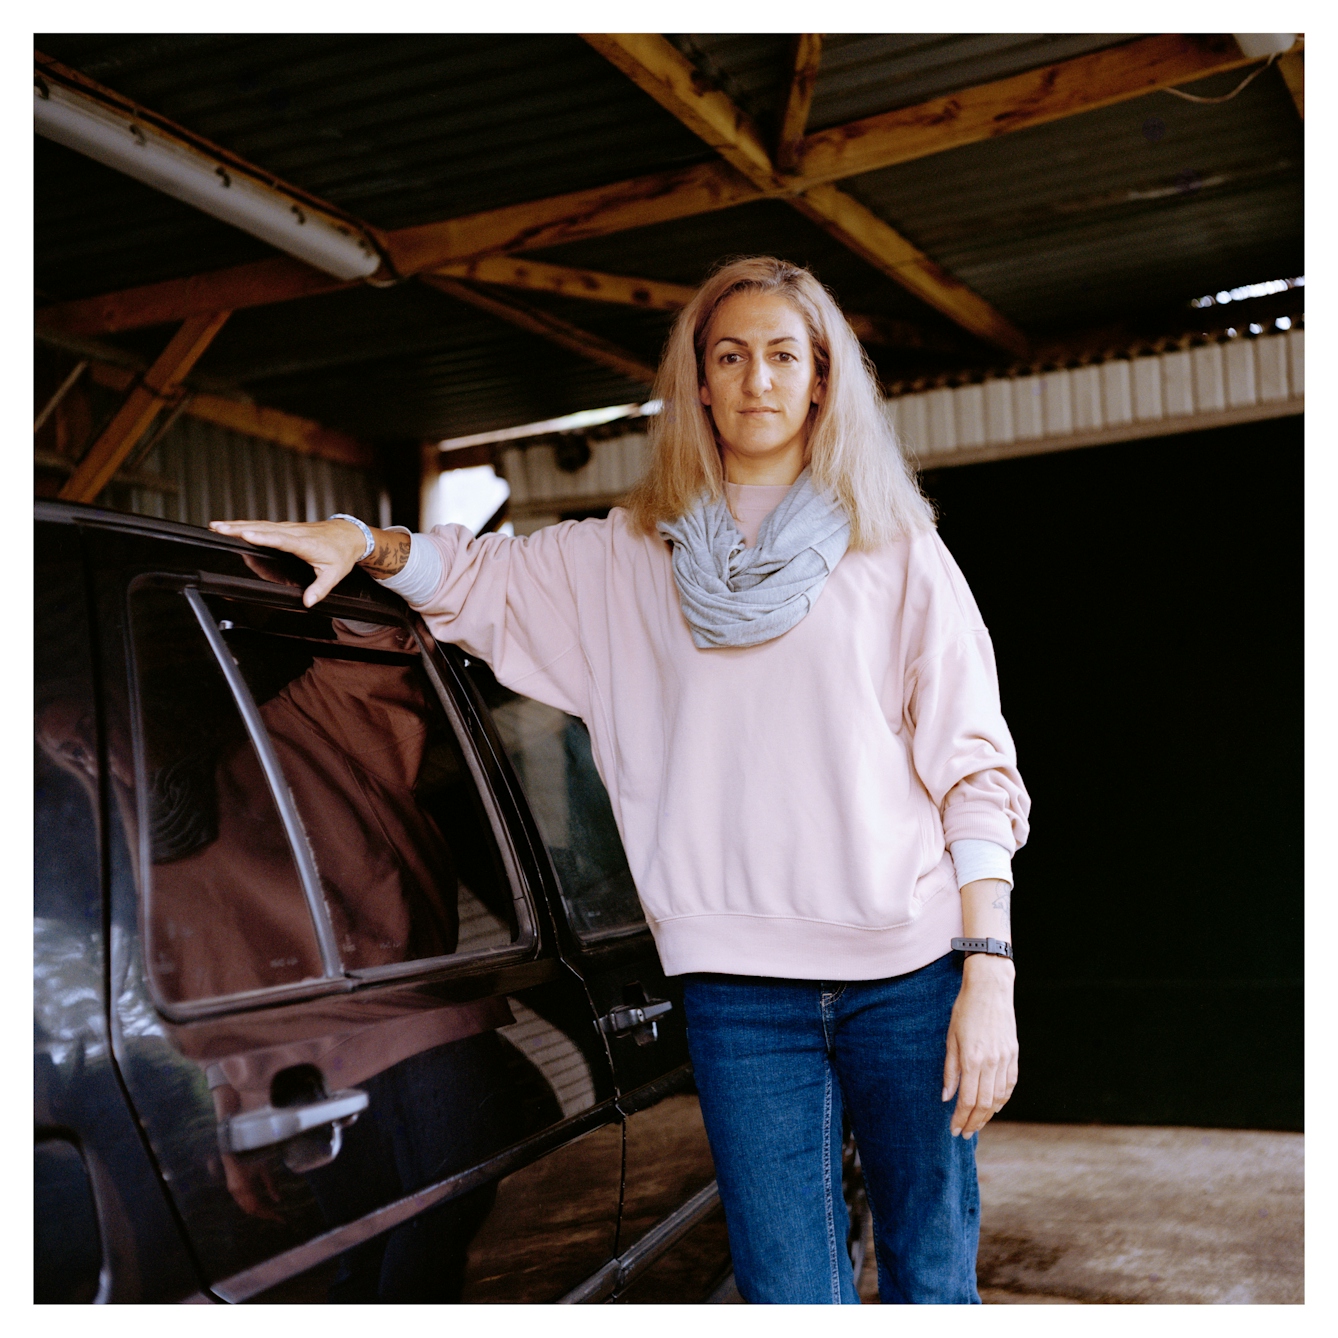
141	407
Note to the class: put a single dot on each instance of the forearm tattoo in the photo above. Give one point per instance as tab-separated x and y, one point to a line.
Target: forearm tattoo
1003	901
389	555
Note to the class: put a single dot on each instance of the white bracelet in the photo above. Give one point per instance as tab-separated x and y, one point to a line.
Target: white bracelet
366	533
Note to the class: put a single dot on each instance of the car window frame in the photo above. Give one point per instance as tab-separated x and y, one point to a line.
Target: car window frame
601	945
335	978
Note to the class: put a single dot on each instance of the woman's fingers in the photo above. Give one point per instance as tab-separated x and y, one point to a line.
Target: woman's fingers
952	1069
331	547
968	1092
316	542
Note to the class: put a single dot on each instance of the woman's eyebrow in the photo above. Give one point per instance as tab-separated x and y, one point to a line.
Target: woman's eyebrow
780	339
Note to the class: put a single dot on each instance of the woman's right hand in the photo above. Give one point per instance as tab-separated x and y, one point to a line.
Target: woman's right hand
332	547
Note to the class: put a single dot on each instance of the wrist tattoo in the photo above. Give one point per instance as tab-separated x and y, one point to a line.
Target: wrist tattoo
388	557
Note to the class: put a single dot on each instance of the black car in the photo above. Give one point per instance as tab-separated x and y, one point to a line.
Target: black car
342	988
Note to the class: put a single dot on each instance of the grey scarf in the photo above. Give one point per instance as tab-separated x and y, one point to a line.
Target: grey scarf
733	595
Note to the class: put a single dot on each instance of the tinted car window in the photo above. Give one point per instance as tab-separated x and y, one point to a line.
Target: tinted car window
225	909
551	754
408	862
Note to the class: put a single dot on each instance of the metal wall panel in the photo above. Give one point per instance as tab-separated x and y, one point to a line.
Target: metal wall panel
1122	399
205	472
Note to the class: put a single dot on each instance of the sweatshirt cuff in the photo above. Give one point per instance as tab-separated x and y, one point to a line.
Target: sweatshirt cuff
417	581
981	859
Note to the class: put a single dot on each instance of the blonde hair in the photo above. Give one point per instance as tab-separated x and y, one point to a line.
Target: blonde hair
851	449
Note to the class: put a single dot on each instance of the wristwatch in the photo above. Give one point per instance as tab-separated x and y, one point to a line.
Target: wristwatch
992	947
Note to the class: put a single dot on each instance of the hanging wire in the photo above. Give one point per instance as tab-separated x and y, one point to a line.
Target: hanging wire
1226	97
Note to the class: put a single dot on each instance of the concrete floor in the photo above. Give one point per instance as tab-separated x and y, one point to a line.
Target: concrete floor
1091	1214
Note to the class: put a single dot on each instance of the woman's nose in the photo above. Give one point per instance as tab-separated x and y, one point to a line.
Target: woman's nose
757	378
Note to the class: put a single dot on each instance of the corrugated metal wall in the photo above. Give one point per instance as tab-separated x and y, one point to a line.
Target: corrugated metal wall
541	492
1117	400
1121	399
198	472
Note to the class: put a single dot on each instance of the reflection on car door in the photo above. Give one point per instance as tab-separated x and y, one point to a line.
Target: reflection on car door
343	1015
670	1220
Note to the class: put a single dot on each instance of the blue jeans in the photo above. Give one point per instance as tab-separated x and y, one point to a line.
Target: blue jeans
778	1063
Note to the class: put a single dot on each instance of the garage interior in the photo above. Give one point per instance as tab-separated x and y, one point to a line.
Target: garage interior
1076	263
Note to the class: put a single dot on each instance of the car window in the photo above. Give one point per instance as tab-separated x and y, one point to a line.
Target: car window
406	853
225	910
550	752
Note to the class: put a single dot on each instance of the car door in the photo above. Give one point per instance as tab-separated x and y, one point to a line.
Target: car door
671	1239
341	1013
103	1229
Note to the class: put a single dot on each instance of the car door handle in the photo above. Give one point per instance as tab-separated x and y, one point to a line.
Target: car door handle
268	1125
635	1020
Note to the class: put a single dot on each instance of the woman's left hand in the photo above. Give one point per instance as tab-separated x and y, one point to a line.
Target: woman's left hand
981	1064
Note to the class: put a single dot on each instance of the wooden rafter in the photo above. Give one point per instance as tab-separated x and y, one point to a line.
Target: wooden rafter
883	247
578	216
659	68
257	284
141	407
302	435
913	132
987	111
592	285
806	55
548	326
1292	68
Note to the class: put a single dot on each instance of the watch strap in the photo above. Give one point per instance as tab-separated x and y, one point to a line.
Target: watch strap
992	947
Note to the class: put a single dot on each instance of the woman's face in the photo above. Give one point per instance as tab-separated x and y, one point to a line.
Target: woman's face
760	383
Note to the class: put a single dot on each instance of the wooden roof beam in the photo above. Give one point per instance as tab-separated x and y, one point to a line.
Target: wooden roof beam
1051	93
883	247
590	285
659	68
547	326
537	276
1292	68
301	435
141	407
804	59
973	114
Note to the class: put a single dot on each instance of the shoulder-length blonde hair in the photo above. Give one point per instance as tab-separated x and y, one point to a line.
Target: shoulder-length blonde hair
852	449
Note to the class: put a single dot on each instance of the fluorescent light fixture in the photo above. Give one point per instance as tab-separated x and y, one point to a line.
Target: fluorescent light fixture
136	147
570	423
1266	289
1258	45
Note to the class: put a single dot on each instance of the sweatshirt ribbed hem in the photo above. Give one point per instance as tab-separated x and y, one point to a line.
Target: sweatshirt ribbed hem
793	949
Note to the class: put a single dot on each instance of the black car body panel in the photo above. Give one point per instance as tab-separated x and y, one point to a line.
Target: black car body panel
268	1068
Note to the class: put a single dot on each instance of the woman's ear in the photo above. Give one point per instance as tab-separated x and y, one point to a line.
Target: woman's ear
819	391
705	394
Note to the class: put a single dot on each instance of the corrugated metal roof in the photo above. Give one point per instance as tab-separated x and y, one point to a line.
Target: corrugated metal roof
397	129
1122	209
1087	220
861	74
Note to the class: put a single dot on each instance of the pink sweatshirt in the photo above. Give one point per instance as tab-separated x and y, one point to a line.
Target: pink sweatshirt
784	807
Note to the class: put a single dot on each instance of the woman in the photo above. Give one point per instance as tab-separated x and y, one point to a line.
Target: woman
792	701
